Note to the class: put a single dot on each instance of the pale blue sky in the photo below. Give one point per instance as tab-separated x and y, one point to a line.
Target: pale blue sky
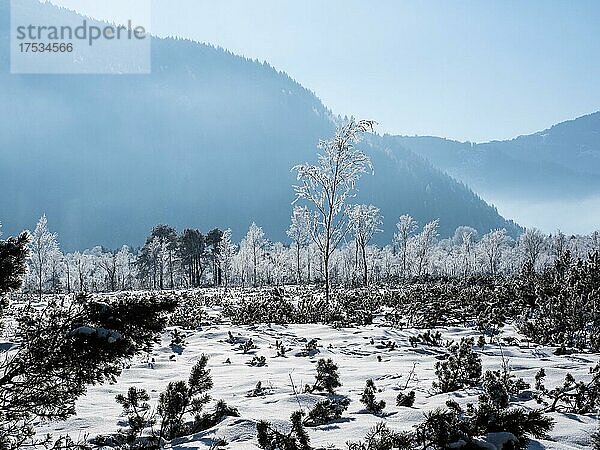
470	70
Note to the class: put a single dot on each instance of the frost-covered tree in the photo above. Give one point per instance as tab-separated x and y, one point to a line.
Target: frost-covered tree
493	244
325	186
406	228
465	238
226	255
299	231
558	245
278	258
125	267
108	263
157	257
364	222
254	243
43	248
57	271
424	243
531	244
84	267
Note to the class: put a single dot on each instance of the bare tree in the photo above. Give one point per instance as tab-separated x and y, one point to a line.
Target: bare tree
364	222
492	245
255	242
43	246
424	242
466	237
325	186
406	226
108	262
226	254
532	243
299	233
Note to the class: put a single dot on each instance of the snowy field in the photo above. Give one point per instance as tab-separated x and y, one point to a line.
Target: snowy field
361	353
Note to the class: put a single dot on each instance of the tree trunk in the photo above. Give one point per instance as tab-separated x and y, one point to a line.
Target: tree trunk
298	262
326	269
364	258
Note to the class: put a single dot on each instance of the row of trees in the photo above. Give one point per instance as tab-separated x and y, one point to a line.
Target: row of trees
171	260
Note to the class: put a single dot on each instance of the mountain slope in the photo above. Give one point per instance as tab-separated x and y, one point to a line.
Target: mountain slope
208	139
560	162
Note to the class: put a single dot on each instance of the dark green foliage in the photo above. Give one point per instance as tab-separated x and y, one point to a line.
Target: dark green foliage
380	437
258	361
136	408
500	385
64	348
460	369
177	341
327	378
433	303
181	399
596	440
281	350
311	346
563	307
189	314
209	420
191	250
481	342
248	346
426	338
441	428
369	399
572	396
13	262
258	390
406	400
347	308
180	410
271	439
326	411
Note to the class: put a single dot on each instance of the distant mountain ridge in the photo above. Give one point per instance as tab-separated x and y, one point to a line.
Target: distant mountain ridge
562	161
208	139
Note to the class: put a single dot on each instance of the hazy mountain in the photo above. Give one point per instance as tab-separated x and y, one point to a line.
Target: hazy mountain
206	140
560	162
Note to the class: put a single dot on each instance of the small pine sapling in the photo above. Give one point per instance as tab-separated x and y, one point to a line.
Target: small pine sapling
270	438
221	411
369	399
258	390
326	411
460	369
406	400
380	437
327	378
309	349
136	408
258	361
182	398
572	396
248	346
178	342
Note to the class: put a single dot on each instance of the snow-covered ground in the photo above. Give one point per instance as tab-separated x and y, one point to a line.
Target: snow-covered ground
355	350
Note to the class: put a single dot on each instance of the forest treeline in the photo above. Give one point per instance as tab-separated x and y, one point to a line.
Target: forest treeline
191	258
